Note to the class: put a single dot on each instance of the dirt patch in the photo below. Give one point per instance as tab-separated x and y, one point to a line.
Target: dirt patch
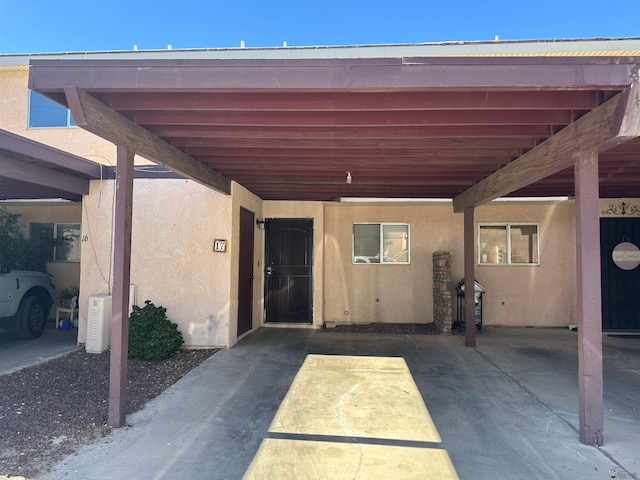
48	410
402	328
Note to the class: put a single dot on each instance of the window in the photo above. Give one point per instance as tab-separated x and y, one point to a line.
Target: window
47	113
508	244
60	242
380	243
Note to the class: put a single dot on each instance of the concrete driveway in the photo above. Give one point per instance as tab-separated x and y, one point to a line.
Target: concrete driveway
17	354
506	409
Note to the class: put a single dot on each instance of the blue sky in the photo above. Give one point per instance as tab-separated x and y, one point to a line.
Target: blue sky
30	26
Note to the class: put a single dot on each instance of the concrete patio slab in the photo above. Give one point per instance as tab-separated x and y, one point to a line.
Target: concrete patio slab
506	409
373	411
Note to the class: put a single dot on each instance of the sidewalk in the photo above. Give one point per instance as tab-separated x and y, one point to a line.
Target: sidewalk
506	409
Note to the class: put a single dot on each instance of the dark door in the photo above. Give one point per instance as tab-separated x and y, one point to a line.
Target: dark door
245	273
620	288
288	288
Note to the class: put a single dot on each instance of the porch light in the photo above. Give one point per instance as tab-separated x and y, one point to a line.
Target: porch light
349	178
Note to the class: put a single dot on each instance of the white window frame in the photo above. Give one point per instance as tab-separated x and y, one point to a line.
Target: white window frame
508	226
381	246
54	251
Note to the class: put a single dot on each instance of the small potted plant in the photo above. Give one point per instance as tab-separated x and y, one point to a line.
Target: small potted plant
66	295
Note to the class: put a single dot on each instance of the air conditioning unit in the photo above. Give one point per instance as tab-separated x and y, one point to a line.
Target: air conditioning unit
99	324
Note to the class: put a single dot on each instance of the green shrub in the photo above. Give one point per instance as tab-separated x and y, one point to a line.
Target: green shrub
18	252
152	335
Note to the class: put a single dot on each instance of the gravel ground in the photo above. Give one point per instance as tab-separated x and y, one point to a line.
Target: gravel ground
403	328
48	410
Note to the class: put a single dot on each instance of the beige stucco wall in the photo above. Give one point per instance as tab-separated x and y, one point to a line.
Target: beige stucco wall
15	99
172	259
362	293
543	295
516	295
315	211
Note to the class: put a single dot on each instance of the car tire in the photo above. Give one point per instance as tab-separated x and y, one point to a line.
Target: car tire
31	318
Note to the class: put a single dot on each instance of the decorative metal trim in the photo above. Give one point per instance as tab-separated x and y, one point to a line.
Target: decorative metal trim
622	209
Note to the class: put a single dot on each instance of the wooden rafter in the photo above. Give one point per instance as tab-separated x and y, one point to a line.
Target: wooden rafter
366	132
455	116
614	122
101	120
20	170
353	101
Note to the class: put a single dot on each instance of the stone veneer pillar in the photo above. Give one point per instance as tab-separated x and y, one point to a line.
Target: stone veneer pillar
442	310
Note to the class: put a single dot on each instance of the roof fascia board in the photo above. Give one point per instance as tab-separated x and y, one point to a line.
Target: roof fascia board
612	123
101	120
47	76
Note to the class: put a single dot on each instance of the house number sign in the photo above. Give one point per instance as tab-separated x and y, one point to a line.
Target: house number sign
219	245
626	256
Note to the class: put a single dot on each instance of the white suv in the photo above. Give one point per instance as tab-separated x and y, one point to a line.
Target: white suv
25	301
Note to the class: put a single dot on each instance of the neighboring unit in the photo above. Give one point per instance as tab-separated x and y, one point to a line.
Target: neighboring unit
25	301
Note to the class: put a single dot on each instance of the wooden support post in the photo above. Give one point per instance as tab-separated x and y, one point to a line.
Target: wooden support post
590	383
469	279
120	292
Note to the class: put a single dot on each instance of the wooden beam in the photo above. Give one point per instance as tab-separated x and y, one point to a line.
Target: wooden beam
227	132
469	279
31	173
120	293
474	145
343	101
614	122
17	146
388	154
101	120
350	118
590	381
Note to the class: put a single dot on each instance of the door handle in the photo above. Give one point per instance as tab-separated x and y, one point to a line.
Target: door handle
268	271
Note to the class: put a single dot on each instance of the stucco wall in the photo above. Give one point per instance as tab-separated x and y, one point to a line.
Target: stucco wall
396	293
172	259
542	295
15	99
516	295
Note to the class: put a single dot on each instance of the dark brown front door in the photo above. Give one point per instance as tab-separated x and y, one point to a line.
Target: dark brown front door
620	287
245	273
288	262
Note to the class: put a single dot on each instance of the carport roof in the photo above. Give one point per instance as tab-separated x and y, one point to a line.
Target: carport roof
407	121
32	170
